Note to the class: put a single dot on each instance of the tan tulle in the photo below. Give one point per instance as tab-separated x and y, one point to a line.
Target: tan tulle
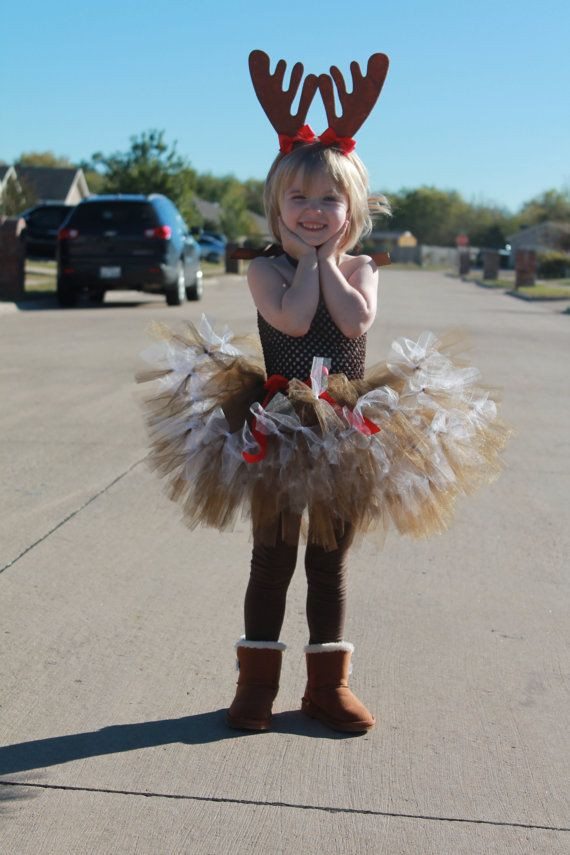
407	475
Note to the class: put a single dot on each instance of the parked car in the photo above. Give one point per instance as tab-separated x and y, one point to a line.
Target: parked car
42	225
212	246
127	241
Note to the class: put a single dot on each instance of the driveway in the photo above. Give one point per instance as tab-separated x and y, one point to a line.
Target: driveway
118	623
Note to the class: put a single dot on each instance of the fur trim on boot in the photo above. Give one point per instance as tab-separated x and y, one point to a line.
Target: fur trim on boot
327	696
259	664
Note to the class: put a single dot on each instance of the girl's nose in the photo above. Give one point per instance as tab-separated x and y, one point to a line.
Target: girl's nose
313	205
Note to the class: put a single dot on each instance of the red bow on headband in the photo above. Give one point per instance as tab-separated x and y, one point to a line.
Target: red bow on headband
304	135
307	135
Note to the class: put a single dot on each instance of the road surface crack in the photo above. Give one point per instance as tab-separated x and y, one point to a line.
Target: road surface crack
290	805
71	515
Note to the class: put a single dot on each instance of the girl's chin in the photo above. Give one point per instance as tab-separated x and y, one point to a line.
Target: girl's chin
313	238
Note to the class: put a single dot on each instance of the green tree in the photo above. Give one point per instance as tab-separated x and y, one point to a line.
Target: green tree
235	220
95	181
44	158
210	187
433	216
213	188
150	165
488	225
254	195
16	197
550	205
437	216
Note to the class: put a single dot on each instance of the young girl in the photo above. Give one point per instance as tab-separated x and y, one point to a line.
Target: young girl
314	439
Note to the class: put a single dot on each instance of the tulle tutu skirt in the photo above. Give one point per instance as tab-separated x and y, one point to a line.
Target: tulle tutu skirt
394	448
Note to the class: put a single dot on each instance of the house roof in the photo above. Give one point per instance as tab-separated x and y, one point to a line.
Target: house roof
209	210
4	167
213	211
550	225
49	183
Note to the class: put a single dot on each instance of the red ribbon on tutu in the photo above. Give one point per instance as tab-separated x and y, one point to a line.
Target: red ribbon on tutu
274	383
277	383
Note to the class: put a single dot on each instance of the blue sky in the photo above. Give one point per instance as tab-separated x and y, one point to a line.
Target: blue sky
476	97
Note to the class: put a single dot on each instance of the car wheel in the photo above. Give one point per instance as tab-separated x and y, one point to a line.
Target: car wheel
176	294
67	295
196	291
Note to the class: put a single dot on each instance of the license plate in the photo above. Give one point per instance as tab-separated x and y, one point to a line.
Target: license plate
109	272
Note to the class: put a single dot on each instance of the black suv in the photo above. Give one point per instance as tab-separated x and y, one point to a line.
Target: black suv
127	241
42	225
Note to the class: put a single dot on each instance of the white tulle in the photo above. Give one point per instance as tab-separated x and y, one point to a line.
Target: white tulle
457	411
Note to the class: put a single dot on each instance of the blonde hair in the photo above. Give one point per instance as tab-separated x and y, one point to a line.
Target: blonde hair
346	171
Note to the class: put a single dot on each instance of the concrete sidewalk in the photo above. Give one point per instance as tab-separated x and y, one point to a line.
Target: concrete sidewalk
118	623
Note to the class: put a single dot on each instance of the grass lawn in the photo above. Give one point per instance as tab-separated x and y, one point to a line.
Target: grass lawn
41	276
495	283
409	265
211	269
545	289
556	289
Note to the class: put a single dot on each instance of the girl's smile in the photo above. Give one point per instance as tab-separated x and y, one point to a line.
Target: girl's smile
315	209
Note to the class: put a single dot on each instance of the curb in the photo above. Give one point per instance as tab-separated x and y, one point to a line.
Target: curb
513	292
529	299
8	308
26	305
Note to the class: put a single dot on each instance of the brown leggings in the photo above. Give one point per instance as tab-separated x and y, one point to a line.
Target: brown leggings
272	569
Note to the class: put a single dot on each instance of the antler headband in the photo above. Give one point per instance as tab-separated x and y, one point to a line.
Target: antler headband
356	105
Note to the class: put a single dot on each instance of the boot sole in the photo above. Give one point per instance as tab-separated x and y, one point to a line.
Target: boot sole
312	711
247	724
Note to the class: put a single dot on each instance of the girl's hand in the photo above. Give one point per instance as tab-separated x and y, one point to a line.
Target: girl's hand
294	245
330	248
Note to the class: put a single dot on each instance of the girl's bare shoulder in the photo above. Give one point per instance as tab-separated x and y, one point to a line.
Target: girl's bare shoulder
267	270
349	264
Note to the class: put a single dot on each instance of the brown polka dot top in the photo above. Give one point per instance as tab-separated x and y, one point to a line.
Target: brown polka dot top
292	356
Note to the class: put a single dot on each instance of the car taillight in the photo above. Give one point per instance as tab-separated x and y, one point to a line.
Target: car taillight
67	234
161	232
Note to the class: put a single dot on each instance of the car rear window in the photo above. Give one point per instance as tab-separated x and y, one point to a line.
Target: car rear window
119	217
49	218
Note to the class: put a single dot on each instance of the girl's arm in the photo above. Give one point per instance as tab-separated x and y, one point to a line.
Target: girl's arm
288	308
351	300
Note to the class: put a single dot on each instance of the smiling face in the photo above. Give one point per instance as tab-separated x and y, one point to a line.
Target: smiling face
313	207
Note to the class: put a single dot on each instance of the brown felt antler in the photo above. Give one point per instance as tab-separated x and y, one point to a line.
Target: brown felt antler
357	105
277	101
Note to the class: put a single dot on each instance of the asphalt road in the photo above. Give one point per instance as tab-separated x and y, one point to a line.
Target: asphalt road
118	624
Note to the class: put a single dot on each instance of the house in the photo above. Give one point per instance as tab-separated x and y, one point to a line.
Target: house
7	174
388	240
402	245
212	213
49	184
544	237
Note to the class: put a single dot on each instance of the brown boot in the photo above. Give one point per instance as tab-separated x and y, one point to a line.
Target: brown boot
327	696
259	664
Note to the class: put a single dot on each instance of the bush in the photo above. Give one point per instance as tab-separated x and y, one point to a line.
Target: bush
552	265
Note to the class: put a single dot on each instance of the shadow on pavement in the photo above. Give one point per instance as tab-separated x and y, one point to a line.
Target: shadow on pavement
14	795
41	302
190	730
